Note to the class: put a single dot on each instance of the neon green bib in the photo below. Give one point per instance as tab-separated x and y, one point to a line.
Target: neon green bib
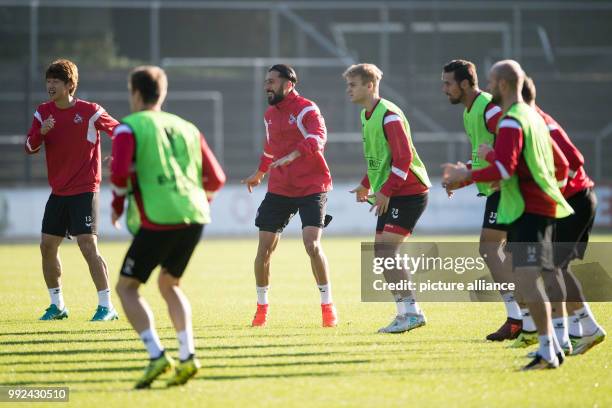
538	154
168	162
376	148
475	125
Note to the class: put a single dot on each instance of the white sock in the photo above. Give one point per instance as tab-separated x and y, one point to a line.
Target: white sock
512	308
410	305
151	341
262	295
528	323
399	304
57	298
186	344
557	345
575	328
546	349
587	320
561	331
325	292
104	298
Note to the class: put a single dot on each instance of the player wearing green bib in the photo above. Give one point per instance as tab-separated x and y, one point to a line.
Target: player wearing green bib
480	118
530	200
397	178
168	165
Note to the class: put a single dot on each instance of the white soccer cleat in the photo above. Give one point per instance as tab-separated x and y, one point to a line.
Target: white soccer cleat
404	323
585	343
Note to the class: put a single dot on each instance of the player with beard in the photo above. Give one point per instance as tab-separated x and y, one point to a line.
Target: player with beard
530	200
480	118
299	182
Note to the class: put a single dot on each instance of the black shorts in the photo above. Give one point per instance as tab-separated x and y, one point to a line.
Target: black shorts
171	249
572	233
71	215
402	214
276	210
490	215
530	240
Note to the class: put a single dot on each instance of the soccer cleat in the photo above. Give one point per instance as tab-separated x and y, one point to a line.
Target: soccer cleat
574	341
329	314
404	323
53	313
585	343
155	368
104	314
567	351
525	339
539	363
508	331
184	371
261	316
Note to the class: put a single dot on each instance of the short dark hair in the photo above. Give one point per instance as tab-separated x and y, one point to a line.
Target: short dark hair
529	90
462	70
150	81
66	71
285	71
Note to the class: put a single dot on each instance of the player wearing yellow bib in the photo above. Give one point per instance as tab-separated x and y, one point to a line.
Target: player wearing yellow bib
530	200
167	163
480	118
397	178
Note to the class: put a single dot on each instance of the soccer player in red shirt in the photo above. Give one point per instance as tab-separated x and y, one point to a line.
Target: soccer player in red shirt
531	233
571	237
70	130
172	212
460	84
400	196
299	182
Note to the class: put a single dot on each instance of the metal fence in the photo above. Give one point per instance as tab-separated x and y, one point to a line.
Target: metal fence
216	53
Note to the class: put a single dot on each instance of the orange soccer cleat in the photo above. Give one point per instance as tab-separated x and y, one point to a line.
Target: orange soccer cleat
330	317
261	316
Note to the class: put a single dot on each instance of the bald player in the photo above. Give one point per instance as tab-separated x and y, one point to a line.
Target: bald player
530	201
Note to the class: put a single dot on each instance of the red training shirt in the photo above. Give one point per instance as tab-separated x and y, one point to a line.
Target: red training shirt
295	123
124	145
507	158
402	181
72	146
578	180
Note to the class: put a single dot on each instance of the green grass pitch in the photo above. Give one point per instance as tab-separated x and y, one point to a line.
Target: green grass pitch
293	361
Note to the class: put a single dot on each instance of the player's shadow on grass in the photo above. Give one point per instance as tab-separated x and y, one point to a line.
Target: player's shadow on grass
291	364
70	352
64	341
201	357
82	370
99	330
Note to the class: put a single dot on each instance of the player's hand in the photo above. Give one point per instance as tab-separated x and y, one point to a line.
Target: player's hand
361	193
483	150
381	204
253	180
449	187
454	173
115	219
284	161
47	125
